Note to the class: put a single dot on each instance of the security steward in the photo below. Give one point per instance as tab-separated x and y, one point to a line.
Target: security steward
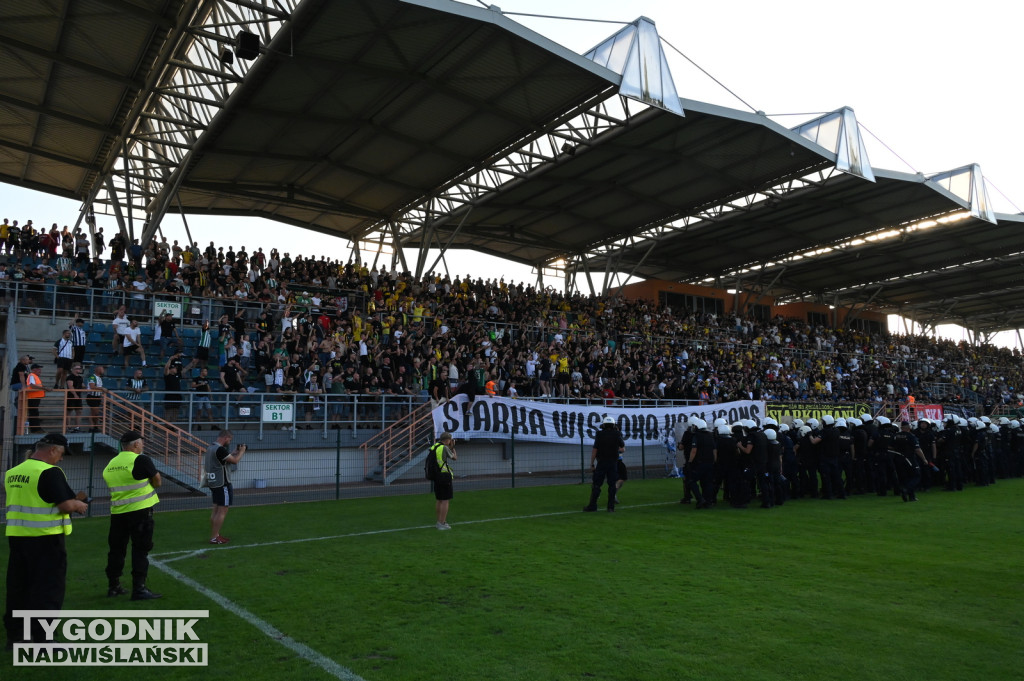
604	459
133	481
39	504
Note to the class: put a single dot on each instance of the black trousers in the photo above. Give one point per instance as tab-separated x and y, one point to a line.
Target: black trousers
136	527
604	471
703	478
831	478
36	570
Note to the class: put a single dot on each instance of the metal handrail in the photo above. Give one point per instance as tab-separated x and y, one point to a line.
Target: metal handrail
403	431
167	442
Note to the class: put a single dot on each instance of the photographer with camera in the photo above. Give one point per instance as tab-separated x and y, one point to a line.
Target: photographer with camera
216	468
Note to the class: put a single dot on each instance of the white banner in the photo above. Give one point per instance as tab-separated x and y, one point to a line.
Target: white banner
501	418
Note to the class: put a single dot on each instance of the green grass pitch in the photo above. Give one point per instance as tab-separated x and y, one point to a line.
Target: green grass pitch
526	587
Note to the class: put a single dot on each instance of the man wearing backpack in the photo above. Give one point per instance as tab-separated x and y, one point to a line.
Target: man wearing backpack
440	454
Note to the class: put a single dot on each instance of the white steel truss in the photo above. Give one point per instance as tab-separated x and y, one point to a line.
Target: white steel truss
587	124
189	86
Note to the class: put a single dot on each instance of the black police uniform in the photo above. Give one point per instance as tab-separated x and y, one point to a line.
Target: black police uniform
828	464
703	468
607	443
947	444
906	464
761	470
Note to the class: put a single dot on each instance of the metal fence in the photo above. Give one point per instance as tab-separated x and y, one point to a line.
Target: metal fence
302	465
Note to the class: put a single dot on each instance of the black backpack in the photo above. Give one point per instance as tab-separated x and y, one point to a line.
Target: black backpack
430	467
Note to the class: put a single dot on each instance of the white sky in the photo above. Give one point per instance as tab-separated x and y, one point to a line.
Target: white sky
937	82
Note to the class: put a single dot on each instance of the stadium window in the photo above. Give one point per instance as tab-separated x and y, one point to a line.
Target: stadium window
818	319
682	303
761	313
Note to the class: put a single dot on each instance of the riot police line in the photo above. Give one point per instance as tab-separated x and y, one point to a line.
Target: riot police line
834	458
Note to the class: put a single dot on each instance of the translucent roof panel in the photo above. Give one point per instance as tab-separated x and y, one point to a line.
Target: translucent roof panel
839	133
968	183
635	54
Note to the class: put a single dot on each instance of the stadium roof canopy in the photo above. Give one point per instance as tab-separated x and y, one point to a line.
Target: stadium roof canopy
431	123
71	72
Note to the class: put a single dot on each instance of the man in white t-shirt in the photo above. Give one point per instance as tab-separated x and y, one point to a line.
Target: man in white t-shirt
120	323
133	343
139	288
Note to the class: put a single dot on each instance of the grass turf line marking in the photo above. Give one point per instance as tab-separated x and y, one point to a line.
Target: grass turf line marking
300	649
180	555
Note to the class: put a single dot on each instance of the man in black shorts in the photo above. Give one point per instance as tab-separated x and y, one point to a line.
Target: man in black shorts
216	467
444	488
63	352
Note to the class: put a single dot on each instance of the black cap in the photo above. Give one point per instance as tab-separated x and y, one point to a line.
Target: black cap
53	439
36	366
131	436
79	321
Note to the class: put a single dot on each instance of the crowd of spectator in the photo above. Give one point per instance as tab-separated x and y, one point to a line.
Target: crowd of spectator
309	325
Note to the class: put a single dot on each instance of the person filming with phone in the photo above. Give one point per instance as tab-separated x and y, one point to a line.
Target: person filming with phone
216	467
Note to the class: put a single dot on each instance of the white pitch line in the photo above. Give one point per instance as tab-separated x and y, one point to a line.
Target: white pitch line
302	650
180	555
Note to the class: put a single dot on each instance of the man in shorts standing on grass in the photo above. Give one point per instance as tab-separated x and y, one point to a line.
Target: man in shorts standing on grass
215	465
444	489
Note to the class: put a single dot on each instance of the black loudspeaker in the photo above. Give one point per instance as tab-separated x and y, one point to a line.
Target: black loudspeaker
227	57
247	45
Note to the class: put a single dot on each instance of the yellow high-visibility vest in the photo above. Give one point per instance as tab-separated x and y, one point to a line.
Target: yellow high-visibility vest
126	493
27	514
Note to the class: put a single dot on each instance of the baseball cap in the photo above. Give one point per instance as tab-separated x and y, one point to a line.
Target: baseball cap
131	436
36	366
53	439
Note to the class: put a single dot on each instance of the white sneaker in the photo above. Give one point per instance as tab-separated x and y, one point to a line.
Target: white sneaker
444	526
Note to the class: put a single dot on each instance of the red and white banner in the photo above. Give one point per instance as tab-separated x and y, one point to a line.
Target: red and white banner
914	412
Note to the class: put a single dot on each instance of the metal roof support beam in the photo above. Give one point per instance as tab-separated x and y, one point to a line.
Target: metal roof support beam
444	249
421	254
64	60
854	312
608	271
86	211
536	155
354	253
765	289
59	115
380	247
186	88
590	280
52	156
398	253
636	267
1019	339
116	205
